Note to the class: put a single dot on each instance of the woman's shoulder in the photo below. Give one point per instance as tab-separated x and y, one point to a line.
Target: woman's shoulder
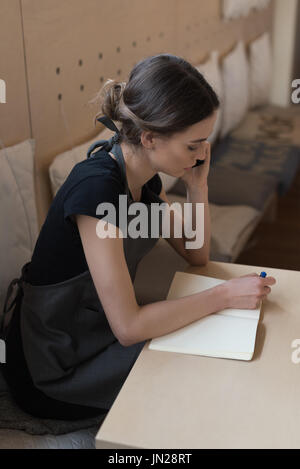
101	173
92	182
100	170
99	164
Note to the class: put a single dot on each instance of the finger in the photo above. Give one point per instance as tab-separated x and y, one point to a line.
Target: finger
269	281
207	146
207	149
249	275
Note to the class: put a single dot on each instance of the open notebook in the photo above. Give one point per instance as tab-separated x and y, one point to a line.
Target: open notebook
229	333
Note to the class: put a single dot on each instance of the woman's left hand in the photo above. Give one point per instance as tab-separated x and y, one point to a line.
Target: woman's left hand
196	177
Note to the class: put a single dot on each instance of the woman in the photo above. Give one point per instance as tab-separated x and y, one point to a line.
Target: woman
77	329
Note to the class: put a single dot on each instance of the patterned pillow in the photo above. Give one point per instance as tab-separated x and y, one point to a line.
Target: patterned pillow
273	125
280	161
231	186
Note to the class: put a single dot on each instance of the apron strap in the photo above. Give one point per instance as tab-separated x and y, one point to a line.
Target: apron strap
7	308
106	144
99	143
111	145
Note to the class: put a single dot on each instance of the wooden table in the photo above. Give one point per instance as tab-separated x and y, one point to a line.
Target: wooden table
178	401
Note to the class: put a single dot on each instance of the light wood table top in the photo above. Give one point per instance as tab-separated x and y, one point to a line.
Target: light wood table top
172	400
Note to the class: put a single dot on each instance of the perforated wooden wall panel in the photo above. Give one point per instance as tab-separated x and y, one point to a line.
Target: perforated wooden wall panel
14	113
72	47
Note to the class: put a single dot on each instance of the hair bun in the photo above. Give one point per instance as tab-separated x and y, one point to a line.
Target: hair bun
108	98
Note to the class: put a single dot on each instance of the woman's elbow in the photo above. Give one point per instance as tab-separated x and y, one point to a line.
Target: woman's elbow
126	340
205	262
127	336
199	263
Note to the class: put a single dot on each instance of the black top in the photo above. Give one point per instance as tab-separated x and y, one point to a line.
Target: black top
58	254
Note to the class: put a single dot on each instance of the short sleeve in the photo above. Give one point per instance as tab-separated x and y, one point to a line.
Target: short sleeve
95	196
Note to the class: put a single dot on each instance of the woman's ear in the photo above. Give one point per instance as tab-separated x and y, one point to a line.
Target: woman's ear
148	140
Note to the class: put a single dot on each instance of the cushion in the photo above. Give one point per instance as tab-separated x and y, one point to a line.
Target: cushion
260	71
212	73
274	125
228	224
64	162
280	161
259	4
19	225
231	186
235	70
233	9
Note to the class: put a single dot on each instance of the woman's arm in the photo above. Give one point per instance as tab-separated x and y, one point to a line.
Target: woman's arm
132	323
198	256
195	181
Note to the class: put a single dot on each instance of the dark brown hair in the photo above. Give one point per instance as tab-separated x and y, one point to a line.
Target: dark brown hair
165	94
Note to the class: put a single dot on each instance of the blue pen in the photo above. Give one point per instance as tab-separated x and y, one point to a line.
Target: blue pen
263	274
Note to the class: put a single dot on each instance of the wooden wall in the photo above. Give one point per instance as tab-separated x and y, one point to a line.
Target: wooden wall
60	53
14	114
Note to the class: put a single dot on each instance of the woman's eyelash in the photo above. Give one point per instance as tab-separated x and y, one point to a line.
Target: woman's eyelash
192	149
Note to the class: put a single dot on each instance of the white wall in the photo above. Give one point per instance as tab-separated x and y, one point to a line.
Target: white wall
284	35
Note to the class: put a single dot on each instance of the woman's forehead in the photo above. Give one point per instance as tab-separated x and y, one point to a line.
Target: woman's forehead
200	130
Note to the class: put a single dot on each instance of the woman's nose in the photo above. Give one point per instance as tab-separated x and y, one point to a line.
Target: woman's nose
202	153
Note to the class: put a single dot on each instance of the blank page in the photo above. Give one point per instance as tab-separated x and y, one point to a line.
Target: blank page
228	334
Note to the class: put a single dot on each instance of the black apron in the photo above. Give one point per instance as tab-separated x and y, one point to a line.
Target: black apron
70	349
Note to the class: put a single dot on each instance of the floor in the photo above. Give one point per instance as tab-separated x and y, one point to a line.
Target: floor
277	244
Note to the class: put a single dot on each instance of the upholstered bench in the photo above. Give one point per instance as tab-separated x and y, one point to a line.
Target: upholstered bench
280	161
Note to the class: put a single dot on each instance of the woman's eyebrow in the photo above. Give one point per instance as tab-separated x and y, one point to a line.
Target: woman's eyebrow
200	140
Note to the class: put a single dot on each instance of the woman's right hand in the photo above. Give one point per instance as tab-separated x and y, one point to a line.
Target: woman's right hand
248	291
